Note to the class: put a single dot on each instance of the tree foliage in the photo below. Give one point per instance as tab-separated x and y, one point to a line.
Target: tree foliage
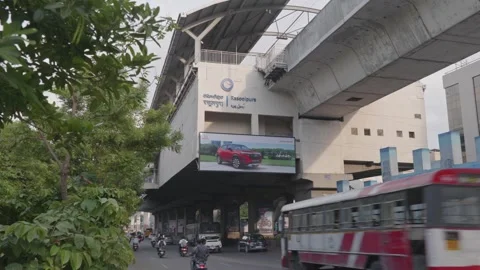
81	233
71	170
58	44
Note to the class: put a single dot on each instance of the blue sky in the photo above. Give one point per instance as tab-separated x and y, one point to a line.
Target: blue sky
437	121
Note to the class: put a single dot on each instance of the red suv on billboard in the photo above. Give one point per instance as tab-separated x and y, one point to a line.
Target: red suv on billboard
238	155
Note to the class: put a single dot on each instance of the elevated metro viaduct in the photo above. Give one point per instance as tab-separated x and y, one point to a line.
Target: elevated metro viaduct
320	90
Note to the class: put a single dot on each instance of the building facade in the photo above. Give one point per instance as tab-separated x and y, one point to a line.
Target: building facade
462	89
326	151
141	221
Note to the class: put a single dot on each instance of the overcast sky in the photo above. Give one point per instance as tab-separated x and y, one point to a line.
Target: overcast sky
435	103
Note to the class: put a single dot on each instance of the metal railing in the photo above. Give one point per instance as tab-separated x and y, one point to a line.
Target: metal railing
274	57
229	58
463	63
149	179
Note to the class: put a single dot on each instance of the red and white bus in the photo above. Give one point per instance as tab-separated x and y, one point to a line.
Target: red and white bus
428	221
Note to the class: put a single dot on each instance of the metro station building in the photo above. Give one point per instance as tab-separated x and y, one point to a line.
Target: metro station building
221	88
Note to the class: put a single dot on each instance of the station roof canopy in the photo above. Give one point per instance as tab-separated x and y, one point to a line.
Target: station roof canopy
243	23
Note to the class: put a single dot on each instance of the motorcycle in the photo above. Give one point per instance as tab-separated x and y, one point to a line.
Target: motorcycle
200	266
135	247
161	252
183	251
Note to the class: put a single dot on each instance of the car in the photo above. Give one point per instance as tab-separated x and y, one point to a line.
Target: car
168	240
238	155
214	243
250	242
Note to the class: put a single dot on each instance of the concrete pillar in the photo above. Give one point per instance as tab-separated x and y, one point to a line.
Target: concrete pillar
343	185
190	214
369	183
389	163
255	128
450	149
421	160
252	215
477	147
198	50
176	222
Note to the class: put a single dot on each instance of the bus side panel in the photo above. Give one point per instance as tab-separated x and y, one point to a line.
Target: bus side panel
395	245
352	249
460	252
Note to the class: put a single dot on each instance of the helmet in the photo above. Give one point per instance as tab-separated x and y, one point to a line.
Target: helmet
203	240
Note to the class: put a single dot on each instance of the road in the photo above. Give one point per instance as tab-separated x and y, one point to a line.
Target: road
213	166
229	259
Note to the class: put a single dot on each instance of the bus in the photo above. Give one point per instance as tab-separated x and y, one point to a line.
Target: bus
195	231
428	221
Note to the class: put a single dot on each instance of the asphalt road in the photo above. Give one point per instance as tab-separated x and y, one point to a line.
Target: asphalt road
213	166
229	259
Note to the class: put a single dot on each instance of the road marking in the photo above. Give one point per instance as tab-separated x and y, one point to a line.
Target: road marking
164	266
226	264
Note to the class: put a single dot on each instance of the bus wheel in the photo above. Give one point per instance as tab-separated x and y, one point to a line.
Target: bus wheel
376	266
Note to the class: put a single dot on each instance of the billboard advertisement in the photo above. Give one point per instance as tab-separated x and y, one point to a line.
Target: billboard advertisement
246	153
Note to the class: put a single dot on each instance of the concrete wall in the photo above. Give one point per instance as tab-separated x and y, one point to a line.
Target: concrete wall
247	83
395	112
185	120
464	78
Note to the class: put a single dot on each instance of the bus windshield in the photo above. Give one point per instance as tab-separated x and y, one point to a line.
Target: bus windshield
210	227
459	205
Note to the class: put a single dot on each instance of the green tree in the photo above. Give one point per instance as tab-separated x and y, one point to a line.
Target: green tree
27	174
48	44
109	146
96	140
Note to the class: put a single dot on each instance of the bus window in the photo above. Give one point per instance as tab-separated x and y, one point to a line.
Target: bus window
336	218
376	215
460	205
399	209
316	221
295	223
416	206
393	213
329	220
365	216
346	218
303	222
354	217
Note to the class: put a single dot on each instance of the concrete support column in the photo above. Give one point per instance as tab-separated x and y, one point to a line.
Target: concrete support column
223	221
176	222
421	160
198	50
389	163
369	183
477	147
255	127
190	215
343	185
450	149
252	215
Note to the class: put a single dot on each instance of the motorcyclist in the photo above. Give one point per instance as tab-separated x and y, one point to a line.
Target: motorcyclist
200	252
182	243
136	241
161	241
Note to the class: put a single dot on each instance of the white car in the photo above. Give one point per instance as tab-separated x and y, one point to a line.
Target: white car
214	243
